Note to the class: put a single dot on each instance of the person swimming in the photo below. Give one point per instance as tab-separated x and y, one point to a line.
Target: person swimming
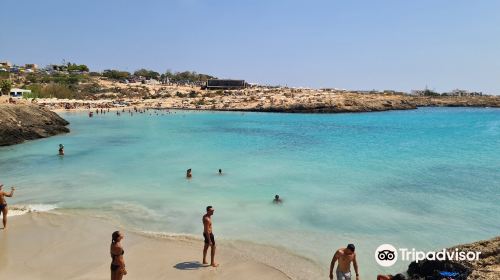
61	149
277	199
188	173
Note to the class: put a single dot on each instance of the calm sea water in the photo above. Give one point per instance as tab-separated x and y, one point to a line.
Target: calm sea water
423	179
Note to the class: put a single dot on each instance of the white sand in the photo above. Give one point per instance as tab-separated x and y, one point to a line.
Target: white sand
64	246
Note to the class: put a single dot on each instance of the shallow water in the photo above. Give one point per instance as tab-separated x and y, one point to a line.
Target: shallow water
423	179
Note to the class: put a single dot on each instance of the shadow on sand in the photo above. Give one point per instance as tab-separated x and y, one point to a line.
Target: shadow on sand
189	265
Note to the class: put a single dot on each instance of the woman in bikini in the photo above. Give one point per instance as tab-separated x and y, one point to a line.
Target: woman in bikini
117	262
3	204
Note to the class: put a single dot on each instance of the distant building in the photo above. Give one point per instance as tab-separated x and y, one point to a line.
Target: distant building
5	64
151	82
461	92
18	92
224	84
31	66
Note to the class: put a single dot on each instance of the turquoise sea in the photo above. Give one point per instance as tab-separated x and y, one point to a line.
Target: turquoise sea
424	179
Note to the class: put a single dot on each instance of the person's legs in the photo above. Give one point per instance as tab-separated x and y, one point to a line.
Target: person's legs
212	256
205	250
4	217
212	253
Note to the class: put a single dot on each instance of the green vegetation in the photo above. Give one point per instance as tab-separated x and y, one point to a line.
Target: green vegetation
186	76
52	90
4	75
74	67
5	86
60	78
428	92
116	74
148	74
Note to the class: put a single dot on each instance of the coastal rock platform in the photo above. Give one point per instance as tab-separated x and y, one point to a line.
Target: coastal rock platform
20	122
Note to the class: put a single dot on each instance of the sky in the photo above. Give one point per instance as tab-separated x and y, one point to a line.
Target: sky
351	44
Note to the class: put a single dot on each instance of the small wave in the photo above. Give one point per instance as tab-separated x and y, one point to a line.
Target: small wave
17	210
170	235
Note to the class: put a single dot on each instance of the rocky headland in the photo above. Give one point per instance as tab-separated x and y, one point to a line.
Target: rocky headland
21	122
486	268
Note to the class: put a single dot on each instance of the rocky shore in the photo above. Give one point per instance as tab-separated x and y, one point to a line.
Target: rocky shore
305	101
21	122
486	268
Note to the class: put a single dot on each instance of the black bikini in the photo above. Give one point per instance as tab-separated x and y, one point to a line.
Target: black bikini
115	267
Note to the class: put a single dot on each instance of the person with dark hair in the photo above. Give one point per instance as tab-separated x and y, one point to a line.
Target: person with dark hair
345	256
220	171
117	262
277	199
398	276
188	173
208	235
3	204
61	149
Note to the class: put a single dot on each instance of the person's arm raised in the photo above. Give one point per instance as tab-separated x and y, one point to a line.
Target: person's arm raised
11	192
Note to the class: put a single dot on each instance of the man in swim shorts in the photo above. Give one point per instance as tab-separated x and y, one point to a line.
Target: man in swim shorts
208	235
344	256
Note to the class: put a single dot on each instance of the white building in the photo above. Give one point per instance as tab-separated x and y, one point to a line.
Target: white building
18	92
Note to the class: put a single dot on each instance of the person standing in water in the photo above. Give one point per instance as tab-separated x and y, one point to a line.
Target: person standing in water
277	199
345	256
220	171
208	235
117	262
188	173
3	204
61	149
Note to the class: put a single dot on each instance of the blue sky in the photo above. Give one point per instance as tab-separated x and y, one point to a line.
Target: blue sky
378	44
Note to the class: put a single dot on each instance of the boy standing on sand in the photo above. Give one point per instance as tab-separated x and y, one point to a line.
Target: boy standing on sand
345	256
209	237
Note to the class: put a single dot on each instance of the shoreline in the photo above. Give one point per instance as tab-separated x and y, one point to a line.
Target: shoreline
150	255
280	102
82	110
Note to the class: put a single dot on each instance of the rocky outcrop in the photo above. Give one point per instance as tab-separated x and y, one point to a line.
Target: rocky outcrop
19	122
456	101
486	268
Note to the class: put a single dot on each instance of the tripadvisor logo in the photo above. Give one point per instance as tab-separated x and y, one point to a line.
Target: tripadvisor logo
387	255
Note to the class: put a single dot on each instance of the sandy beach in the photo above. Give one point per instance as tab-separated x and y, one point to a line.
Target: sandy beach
65	246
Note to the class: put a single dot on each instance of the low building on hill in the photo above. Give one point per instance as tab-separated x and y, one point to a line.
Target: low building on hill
5	64
224	84
18	92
